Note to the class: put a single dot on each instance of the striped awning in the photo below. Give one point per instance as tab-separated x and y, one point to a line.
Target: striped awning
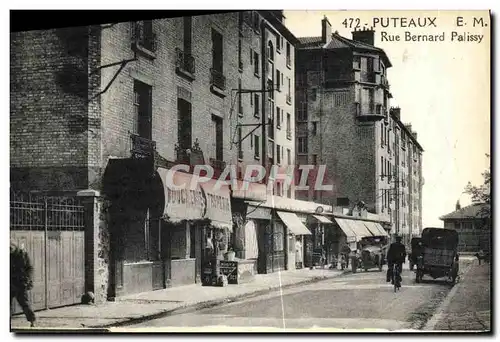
293	223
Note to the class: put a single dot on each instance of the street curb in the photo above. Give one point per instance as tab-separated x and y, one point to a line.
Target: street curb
187	308
446	302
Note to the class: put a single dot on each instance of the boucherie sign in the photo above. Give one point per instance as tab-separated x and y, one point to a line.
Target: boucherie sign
190	197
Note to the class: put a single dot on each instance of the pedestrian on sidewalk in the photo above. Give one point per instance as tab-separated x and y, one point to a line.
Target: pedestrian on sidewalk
21	281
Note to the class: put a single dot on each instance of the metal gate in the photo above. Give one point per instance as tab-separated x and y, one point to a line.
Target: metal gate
51	230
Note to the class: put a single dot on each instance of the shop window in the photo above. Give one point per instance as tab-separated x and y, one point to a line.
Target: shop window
278	236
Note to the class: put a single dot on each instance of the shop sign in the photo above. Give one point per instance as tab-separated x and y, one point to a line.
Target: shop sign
229	269
182	202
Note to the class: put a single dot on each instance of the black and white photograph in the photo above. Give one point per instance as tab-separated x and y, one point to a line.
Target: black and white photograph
250	171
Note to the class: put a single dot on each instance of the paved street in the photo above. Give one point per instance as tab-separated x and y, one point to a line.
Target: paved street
354	301
470	307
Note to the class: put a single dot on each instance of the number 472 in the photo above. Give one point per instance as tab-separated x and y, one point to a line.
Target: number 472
351	23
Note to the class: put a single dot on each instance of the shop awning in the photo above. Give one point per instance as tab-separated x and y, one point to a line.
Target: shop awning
359	228
322	219
375	228
293	223
350	234
218	203
183	200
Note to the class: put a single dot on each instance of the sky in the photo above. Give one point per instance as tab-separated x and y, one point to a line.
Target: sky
443	89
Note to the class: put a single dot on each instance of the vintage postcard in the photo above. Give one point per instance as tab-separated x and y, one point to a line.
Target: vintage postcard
258	170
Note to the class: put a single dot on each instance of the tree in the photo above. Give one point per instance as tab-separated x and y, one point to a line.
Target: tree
482	193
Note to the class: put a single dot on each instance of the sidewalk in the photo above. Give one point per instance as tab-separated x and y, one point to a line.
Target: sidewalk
469	303
160	303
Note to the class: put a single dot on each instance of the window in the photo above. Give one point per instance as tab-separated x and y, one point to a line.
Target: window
217	124
278	237
278	118
184	124
278	81
302	142
356	62
288	55
217	47
256	145
240	102
256	63
256	105
288	156
278	154
367	101
289	93
270	51
302	111
315	159
142	34
279	43
143	109
270	88
240	42
271	119
314	130
382	133
382	168
288	126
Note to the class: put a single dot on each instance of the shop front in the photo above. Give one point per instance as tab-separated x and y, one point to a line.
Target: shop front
296	230
214	244
348	233
134	218
321	245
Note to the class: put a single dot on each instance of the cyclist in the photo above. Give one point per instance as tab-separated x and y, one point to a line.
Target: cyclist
396	256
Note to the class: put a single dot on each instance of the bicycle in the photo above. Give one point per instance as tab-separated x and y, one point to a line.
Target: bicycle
396	277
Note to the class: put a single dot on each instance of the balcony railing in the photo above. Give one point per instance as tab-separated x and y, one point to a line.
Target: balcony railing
185	61
217	79
189	156
183	156
289	98
142	147
289	134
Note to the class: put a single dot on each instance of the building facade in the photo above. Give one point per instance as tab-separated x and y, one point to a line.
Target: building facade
473	224
344	121
107	112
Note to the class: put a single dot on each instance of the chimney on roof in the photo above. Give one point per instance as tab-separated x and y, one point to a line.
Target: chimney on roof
396	111
457	206
365	35
326	31
414	135
408	127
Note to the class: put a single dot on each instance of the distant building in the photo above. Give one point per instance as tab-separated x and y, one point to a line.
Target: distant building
344	121
473	224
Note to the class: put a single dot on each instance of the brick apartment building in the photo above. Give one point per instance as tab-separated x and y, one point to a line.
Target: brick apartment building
102	113
344	121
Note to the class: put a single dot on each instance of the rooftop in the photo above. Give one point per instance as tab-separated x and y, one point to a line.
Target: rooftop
476	210
339	42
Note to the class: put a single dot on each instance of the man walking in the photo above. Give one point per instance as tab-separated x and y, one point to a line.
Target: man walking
21	281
